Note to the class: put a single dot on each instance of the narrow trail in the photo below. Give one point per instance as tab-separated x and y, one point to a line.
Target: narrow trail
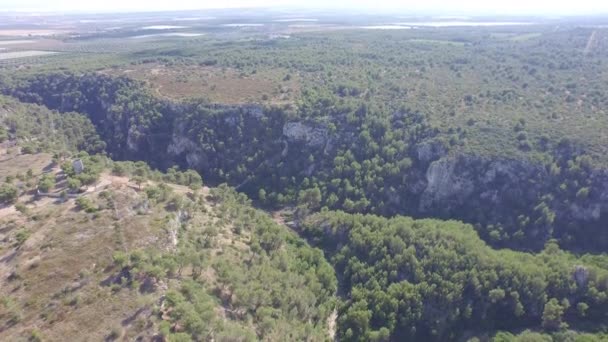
590	42
331	324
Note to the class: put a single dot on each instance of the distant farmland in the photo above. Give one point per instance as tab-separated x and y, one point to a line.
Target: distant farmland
15	42
23	54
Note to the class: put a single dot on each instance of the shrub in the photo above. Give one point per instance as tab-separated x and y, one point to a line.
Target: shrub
85	204
28	149
22	236
46	183
8	193
114	333
35	336
179	337
74	183
120	259
22	208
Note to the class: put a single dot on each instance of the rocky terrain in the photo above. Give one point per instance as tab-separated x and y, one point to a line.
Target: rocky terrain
514	202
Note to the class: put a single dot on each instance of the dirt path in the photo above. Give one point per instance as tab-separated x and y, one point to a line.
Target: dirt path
331	324
106	179
590	43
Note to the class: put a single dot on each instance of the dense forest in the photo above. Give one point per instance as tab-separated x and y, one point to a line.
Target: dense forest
429	280
39	129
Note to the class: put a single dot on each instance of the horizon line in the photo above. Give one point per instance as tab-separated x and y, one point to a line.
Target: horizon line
351	11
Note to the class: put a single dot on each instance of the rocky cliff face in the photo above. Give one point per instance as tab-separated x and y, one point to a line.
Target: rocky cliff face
451	181
512	202
311	135
516	200
183	146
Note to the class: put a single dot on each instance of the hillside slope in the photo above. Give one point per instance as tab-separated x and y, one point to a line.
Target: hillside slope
126	260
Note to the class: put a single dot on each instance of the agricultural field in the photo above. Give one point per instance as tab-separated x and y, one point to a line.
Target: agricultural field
24	54
15	42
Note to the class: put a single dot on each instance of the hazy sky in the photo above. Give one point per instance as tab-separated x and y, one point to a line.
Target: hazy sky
549	7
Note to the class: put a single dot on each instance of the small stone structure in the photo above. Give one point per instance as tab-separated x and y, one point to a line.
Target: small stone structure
78	166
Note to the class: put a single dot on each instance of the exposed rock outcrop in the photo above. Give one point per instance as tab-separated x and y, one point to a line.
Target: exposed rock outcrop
428	151
581	276
312	136
181	145
512	196
444	185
